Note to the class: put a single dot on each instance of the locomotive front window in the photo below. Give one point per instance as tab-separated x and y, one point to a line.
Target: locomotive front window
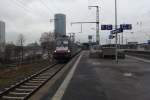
62	43
65	43
59	43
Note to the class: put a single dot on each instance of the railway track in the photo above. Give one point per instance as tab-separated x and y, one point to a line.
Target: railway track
24	89
140	54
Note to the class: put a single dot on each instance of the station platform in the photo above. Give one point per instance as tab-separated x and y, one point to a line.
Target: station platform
84	84
104	79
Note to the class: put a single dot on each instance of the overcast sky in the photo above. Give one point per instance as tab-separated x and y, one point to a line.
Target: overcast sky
31	17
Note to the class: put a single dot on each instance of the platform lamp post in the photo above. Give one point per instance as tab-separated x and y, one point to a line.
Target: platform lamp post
119	36
116	35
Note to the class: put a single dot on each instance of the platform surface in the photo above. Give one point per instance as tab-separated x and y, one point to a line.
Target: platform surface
103	79
99	79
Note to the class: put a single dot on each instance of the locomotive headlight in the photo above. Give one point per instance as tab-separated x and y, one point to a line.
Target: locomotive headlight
55	51
68	51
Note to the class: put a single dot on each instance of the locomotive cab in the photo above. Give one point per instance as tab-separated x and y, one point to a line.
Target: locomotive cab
62	51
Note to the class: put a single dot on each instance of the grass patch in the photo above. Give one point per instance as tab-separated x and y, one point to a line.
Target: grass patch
10	75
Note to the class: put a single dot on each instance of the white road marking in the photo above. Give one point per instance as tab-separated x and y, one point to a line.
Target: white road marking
140	59
61	90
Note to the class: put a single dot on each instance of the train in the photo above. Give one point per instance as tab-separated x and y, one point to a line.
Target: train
65	48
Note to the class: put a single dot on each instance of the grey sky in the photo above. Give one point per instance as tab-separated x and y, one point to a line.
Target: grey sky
31	17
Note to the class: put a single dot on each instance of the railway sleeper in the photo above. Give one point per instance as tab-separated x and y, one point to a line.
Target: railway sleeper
36	81
43	76
32	84
46	74
40	79
12	98
27	86
24	90
19	93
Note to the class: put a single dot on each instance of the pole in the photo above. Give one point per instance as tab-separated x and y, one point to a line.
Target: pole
119	40
97	26
73	37
70	35
81	28
122	38
109	41
116	33
126	41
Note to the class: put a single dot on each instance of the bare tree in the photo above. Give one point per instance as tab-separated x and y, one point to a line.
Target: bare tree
9	52
20	43
47	43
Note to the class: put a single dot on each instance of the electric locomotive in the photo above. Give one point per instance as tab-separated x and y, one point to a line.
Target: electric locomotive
65	48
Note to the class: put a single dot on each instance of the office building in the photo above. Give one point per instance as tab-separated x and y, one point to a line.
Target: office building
60	25
2	36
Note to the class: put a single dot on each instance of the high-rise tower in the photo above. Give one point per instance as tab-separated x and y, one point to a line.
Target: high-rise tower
2	36
60	25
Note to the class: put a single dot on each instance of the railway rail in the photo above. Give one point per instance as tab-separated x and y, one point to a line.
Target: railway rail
27	87
140	54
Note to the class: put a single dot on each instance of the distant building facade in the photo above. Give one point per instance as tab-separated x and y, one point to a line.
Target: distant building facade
2	36
60	25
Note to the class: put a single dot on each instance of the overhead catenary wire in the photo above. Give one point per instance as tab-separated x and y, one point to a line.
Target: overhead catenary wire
23	4
24	10
55	6
45	5
27	11
30	8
